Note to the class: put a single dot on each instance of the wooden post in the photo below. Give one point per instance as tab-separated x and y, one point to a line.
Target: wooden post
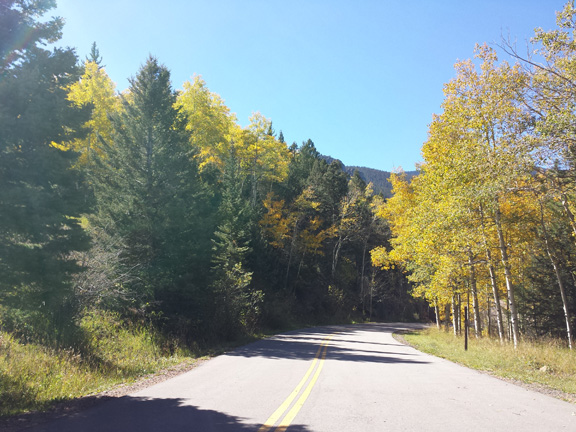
466	328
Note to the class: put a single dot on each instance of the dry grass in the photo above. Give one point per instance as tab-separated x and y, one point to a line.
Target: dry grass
33	377
545	363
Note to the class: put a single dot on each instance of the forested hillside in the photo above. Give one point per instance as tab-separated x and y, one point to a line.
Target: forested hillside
156	205
380	180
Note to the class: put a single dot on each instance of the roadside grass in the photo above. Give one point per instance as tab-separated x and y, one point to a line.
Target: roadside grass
546	363
109	353
33	377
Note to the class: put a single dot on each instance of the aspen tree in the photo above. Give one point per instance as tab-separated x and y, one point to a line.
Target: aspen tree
94	89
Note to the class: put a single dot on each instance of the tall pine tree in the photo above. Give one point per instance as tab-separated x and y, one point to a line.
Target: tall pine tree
149	193
41	198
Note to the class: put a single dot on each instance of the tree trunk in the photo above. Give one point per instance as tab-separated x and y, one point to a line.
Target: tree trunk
475	306
568	212
372	282
459	312
447	318
437	312
508	276
489	316
290	253
362	272
336	255
454	316
554	262
493	280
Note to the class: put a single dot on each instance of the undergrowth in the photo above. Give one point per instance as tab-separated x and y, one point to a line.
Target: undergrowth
33	376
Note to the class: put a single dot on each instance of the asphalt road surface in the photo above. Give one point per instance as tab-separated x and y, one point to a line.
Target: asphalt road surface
327	379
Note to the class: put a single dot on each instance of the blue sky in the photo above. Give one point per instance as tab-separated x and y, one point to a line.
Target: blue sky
361	78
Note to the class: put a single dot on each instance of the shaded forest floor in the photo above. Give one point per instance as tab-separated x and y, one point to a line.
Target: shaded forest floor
544	366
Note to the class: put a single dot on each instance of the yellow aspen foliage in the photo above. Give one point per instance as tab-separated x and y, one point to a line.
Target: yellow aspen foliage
261	155
296	226
381	258
208	119
94	88
215	133
312	237
276	222
467	199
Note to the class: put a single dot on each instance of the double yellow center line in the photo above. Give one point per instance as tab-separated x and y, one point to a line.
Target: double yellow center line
289	417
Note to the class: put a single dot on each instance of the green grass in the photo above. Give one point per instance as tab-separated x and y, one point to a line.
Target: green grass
546	363
110	352
33	377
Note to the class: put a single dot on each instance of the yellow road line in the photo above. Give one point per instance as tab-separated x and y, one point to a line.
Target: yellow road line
287	420
278	413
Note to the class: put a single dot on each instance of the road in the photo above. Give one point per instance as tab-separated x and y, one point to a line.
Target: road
327	379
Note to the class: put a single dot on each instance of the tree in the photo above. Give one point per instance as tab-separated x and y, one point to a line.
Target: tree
21	30
41	198
96	90
148	190
475	163
263	159
485	109
238	305
94	56
209	122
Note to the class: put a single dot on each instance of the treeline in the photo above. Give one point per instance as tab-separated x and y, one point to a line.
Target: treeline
157	205
489	221
380	180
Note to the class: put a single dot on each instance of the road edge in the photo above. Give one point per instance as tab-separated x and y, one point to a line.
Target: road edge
539	388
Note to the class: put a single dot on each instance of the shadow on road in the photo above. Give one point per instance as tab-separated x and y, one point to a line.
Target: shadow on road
146	415
304	344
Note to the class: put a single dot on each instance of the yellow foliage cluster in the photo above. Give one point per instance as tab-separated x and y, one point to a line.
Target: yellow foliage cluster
97	90
215	133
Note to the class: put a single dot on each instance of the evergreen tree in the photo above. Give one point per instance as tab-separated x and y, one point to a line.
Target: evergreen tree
301	164
148	190
20	30
94	56
41	198
237	305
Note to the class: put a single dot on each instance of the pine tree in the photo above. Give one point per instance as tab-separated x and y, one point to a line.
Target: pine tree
237	305
148	190
94	56
41	198
20	30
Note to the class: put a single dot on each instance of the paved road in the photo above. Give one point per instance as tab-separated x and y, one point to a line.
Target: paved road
328	379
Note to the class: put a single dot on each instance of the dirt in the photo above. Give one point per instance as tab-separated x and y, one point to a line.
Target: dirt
65	408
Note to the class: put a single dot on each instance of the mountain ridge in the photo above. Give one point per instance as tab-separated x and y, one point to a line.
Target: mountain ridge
378	178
